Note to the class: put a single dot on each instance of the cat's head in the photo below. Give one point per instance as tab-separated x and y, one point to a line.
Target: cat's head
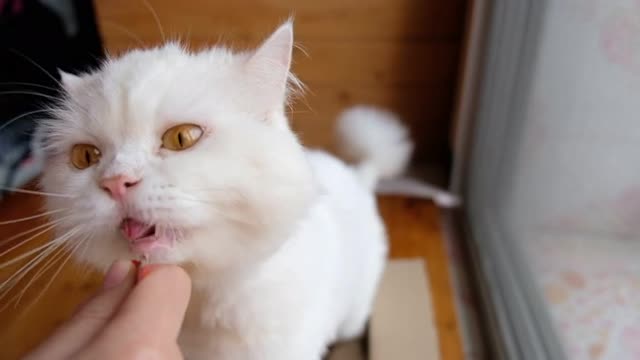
184	157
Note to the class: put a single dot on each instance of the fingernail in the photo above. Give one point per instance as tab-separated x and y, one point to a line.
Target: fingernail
146	270
116	274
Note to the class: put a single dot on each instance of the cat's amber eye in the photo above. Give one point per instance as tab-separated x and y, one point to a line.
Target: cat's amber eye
181	137
84	155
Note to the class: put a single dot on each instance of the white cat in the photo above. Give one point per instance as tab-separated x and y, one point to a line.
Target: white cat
188	158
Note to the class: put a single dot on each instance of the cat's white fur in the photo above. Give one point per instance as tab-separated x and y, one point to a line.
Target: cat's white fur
284	245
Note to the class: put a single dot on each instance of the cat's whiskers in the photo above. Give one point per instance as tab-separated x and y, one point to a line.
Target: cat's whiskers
49	224
46	287
13	221
49	264
86	242
20	83
7	285
85	246
293	112
177	235
124	30
30	252
48	74
155	18
45	250
23	115
229	191
302	49
18	275
25	92
55	254
34	63
33	192
216	207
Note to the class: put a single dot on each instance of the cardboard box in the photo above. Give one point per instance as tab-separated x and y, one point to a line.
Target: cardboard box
402	324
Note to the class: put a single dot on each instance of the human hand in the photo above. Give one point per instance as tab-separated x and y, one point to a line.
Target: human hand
136	315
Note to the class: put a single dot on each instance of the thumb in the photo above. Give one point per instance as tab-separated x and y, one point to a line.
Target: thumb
152	314
90	318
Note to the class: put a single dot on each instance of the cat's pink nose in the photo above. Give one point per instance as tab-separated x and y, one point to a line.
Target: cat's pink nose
118	186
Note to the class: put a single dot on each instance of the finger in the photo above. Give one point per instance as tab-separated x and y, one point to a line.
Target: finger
91	317
158	302
152	314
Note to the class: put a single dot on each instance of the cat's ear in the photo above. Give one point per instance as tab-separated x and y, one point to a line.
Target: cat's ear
268	67
69	81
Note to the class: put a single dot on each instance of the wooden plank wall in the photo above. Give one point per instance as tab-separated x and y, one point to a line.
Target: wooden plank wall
401	54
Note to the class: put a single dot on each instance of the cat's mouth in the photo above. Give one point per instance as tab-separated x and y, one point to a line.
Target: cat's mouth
145	239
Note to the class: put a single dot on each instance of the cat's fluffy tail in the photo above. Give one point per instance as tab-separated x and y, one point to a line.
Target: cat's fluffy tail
376	140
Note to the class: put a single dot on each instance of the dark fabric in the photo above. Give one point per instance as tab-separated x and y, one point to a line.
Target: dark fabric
54	35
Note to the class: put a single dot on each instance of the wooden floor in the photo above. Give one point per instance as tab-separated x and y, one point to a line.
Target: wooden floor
413	225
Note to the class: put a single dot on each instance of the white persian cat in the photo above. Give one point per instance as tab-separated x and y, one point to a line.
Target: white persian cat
188	158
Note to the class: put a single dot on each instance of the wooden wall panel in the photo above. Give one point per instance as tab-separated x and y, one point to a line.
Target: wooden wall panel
339	20
420	107
376	64
401	54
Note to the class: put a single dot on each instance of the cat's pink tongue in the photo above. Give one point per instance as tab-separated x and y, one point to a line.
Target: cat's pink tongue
143	238
134	229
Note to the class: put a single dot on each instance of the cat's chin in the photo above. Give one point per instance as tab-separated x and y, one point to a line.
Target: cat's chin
151	247
159	255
